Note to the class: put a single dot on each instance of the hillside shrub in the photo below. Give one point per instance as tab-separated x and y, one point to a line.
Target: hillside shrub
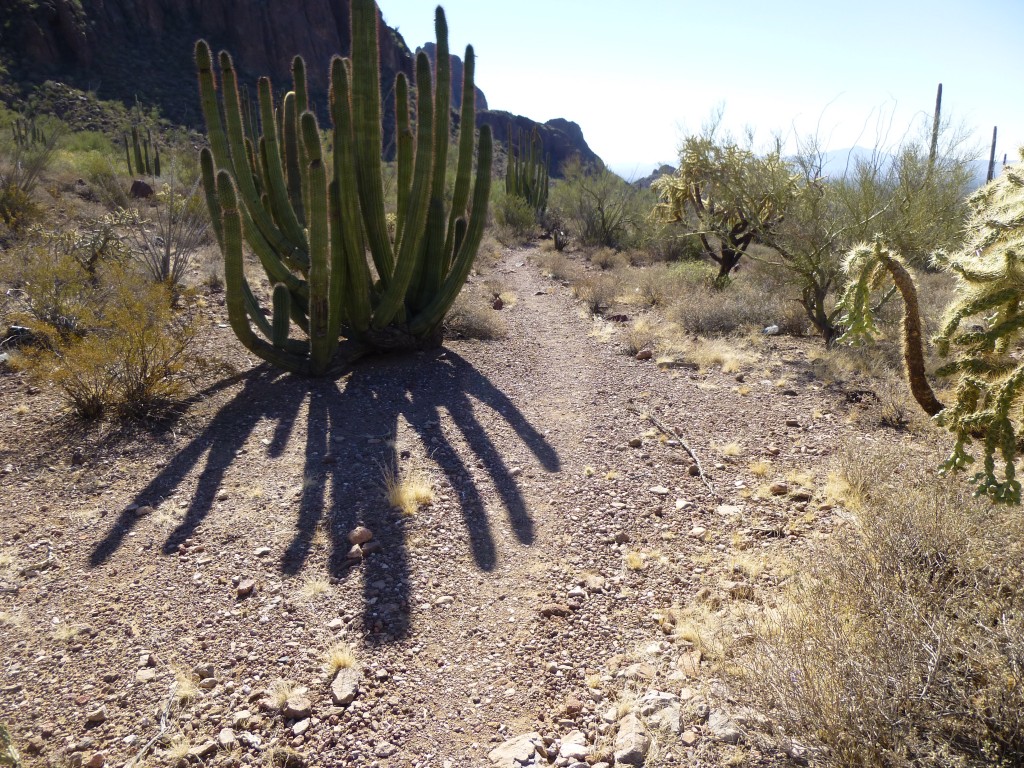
515	219
901	640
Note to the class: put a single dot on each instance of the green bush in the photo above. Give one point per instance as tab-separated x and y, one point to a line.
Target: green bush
515	218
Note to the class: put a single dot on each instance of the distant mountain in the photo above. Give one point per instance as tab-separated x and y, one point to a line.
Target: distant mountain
123	49
657	173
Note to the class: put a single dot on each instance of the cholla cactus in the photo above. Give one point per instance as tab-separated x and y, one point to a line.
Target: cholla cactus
981	335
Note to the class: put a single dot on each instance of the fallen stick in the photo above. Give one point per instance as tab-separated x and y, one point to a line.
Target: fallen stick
674	435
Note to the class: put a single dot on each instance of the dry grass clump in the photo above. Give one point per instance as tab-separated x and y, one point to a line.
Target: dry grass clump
279	691
716	353
558	266
641	334
608	258
473	317
338	657
902	642
408	493
597	292
313	587
186	689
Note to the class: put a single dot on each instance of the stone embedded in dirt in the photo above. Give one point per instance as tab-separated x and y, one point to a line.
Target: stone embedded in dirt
297	707
203	671
245	588
300	727
662	711
792	422
592	582
693	470
574	746
723	728
739	590
697	532
241	718
97	760
773	450
203	751
631	742
96	716
360	535
660	490
335	624
355	554
498	303
145	675
635	442
515	752
644	354
226	738
550	610
371	547
35	745
789	392
147	660
345	686
262	551
728	510
638	671
689	663
779	489
689	738
801	494
622	538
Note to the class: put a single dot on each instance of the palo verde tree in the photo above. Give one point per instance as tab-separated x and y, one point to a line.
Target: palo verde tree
981	335
311	217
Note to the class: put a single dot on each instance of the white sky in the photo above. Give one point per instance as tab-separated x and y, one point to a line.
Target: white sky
638	75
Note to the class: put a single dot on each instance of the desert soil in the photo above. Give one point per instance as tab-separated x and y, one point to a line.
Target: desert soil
531	596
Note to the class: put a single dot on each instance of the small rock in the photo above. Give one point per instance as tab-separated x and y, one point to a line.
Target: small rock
771	330
515	752
140	190
697	531
335	624
386	749
262	551
355	554
574	746
792	422
372	546
662	711
498	303
203	751
631	742
689	738
226	738
245	588
635	442
97	760
660	490
723	728
554	609
241	718
345	686
96	716
802	494
35	745
728	510
644	354
300	727
622	538
693	470
204	671
359	535
297	707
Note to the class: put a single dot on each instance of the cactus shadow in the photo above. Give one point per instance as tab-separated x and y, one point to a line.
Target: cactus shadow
349	446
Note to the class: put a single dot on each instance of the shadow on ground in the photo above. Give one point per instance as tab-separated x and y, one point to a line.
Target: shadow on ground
348	446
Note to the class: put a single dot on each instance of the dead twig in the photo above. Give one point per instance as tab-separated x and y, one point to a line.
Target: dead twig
673	434
163	729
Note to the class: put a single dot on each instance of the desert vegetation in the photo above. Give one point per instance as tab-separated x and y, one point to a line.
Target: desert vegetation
312	456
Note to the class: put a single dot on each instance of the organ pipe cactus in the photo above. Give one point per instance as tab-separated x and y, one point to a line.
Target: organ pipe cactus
526	174
311	216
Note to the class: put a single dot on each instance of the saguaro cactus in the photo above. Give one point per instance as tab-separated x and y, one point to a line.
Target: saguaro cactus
526	174
311	225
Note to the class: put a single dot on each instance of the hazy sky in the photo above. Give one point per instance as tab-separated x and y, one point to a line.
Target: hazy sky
638	75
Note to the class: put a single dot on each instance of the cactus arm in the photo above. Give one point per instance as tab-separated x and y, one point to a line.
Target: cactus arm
464	168
139	164
322	346
277	186
432	315
366	120
442	104
358	280
234	280
405	151
393	297
339	268
290	151
209	176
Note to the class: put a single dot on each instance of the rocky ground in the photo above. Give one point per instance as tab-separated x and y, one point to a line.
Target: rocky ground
172	597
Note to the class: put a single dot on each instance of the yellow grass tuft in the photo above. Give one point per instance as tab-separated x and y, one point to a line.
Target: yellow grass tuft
339	656
409	493
760	468
313	587
635	561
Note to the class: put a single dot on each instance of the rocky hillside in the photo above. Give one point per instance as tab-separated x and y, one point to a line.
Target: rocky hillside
128	49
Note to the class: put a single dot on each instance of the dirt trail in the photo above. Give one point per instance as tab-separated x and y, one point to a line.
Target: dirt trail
507	605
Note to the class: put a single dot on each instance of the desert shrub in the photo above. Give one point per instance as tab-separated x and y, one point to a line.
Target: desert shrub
901	642
515	219
49	292
598	207
168	235
607	258
558	266
22	164
134	359
597	292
